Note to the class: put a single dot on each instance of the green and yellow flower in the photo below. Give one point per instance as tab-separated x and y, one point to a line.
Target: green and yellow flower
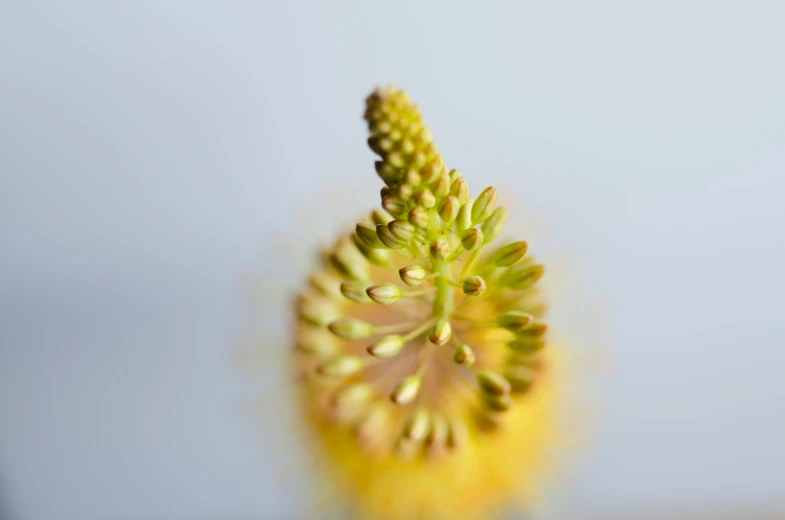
423	357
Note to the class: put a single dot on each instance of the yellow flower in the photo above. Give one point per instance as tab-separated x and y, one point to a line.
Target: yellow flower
423	359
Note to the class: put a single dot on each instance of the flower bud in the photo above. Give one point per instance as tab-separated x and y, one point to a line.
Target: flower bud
474	285
387	172
387	347
355	291
412	274
440	249
401	230
442	186
419	218
431	172
367	234
406	391
449	209
493	383
497	403
526	344
510	254
471	239
520	378
425	199
412	178
394	205
484	205
418	425
341	366
351	328
495	224
523	278
387	238
440	333
380	216
464	356
317	310
514	321
460	190
384	293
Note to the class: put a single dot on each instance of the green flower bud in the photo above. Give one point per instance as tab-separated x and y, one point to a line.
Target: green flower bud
387	172
387	347
493	383
405	192
495	224
384	293
523	278
355	291
341	366
440	333
318	342
394	205
351	328
484	205
471	239
317	310
520	378
381	217
449	209
425	199
460	190
419	218
412	274
376	255
440	248
367	234
431	172
412	178
526	344
514	321
406	391
347	260
401	230
464	356
474	285
510	254
442	186
498	403
454	175
388	239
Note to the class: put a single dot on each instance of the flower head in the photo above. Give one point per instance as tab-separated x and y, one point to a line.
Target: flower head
423	353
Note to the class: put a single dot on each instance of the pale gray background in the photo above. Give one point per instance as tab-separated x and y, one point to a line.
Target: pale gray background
148	150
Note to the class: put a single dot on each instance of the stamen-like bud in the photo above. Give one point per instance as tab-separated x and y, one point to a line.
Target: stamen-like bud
495	224
471	239
341	366
493	383
514	321
440	333
355	291
464	356
412	274
406	391
474	285
384	293
510	254
484	205
351	328
387	347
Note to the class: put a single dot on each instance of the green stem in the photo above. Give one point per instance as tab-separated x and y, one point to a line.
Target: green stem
442	304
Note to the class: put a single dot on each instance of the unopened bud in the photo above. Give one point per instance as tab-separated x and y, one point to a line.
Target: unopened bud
355	291
493	383
440	249
387	347
388	173
442	186
510	254
419	218
387	238
471	239
412	178
380	216
341	366
514	321
495	224
484	205
394	205
406	391
449	209
520	378
430	172
474	285
401	230
384	293
498	403
523	278
440	333
460	190
317	310
367	234
425	199
464	356
351	328
526	344
419	424
412	274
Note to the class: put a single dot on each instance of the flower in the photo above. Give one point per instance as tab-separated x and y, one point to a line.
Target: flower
423	359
